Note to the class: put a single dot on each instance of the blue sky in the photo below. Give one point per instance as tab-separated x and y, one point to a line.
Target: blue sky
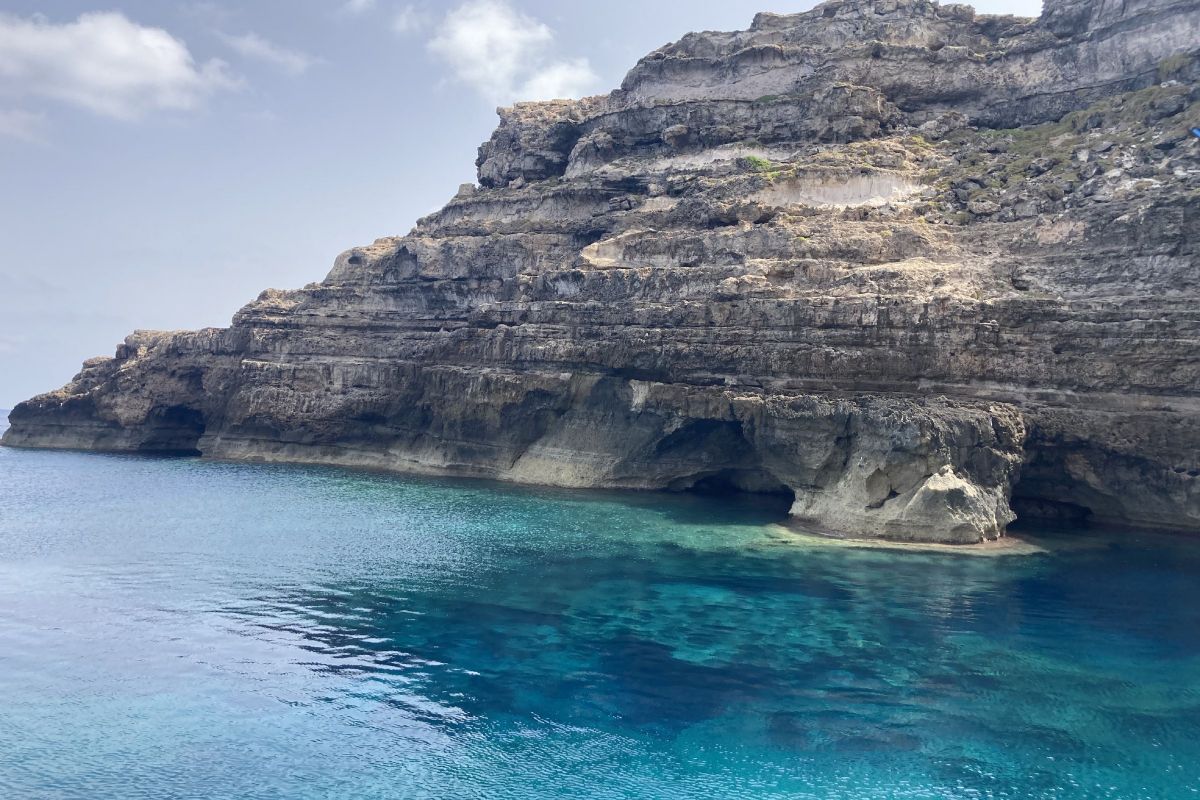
163	161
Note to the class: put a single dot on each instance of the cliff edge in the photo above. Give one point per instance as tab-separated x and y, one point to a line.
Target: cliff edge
917	268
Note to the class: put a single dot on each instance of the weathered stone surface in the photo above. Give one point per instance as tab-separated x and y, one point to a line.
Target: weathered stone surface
912	266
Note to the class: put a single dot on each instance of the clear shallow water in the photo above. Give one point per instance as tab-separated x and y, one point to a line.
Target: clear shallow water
184	629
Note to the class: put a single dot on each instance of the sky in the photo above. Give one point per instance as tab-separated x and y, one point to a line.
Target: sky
163	161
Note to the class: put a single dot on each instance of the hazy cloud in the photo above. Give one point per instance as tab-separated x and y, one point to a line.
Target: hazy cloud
20	124
358	6
208	12
105	63
410	19
251	45
505	55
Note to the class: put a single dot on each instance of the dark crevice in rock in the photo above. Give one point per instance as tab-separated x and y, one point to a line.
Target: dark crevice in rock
1032	511
891	495
717	458
173	430
741	484
705	439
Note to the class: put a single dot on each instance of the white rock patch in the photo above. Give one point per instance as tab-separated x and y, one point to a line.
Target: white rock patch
860	190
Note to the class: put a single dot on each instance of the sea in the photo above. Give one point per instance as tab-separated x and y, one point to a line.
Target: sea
183	628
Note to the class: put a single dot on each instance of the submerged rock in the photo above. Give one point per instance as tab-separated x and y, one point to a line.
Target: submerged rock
910	265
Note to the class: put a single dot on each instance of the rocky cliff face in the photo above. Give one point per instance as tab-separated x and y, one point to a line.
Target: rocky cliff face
914	267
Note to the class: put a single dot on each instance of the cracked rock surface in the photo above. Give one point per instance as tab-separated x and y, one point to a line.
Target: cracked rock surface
920	269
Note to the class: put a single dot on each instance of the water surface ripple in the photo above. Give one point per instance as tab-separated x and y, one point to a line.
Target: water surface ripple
189	629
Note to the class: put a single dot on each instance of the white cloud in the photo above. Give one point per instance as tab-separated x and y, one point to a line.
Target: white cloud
505	55
251	45
105	63
20	124
410	19
560	79
358	6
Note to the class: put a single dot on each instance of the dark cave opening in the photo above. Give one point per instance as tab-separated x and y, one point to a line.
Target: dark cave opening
173	430
714	458
743	486
1040	511
1047	495
740	481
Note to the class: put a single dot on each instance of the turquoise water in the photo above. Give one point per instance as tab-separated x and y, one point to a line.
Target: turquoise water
185	629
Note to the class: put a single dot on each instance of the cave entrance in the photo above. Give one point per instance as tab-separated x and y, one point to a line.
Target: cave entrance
753	487
173	431
714	458
1035	512
1047	497
740	481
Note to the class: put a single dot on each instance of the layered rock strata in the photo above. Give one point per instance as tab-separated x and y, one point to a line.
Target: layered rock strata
914	267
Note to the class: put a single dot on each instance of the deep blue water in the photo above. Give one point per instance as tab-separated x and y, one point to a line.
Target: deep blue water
187	629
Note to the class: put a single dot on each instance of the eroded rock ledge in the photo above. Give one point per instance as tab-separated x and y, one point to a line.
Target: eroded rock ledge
914	267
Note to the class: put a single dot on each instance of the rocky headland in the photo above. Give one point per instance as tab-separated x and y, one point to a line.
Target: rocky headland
919	269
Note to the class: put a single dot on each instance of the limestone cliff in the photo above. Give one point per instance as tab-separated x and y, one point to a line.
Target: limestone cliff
914	266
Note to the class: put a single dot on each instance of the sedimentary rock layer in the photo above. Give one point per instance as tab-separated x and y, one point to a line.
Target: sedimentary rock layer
915	267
